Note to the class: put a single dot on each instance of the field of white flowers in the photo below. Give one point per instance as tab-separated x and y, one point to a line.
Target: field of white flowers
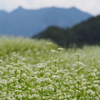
40	70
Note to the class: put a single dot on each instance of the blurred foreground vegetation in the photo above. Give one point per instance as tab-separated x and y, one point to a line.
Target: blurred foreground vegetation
41	70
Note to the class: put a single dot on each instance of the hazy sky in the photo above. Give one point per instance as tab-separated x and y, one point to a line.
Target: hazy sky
90	6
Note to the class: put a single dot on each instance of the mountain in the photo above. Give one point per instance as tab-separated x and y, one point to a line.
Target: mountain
84	33
23	22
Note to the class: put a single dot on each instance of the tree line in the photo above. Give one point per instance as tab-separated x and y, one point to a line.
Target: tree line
84	33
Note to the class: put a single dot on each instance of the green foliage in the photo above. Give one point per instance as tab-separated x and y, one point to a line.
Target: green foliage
40	70
85	33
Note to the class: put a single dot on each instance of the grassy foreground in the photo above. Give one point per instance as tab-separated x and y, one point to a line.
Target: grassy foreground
40	70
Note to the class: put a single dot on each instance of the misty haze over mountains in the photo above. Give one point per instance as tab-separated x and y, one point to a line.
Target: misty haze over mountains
23	22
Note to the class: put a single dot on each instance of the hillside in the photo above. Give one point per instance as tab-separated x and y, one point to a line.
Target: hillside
87	32
23	22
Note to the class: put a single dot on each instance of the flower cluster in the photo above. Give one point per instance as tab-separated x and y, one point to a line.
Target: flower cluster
36	72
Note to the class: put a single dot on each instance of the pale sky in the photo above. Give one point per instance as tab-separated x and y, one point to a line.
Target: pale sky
90	6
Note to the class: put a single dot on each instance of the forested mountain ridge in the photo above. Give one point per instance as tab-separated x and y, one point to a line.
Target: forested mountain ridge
23	22
84	33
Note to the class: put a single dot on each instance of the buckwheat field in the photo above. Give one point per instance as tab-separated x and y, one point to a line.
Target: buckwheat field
41	70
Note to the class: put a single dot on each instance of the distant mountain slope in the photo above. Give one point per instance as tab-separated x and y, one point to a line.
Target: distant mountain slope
87	32
22	22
